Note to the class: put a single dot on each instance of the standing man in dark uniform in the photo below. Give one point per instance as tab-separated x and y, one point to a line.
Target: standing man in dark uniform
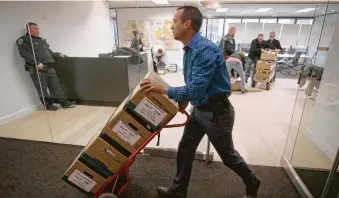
257	46
39	61
274	43
207	89
227	43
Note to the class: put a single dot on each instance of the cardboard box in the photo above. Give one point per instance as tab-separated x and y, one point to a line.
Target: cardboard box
84	178
272	56
122	119
131	145
154	108
236	86
264	75
104	155
265	65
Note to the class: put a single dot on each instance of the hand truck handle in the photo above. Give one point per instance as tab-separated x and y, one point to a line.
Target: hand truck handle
180	125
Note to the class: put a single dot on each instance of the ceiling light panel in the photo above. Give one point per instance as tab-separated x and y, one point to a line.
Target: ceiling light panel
222	9
160	2
306	10
263	9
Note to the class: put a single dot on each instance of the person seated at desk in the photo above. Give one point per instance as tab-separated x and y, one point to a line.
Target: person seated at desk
158	58
39	61
257	46
274	43
137	43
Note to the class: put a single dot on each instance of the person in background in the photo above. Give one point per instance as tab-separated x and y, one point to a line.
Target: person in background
158	57
137	43
274	43
257	46
236	62
207	87
39	61
227	43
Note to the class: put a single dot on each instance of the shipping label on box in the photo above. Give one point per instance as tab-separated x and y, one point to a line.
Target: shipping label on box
122	143
152	113
155	108
82	181
126	133
84	177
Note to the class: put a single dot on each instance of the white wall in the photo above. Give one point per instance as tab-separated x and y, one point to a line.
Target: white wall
321	35
74	28
324	125
80	29
18	95
123	15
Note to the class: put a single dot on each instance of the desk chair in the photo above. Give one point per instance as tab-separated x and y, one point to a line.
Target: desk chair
290	67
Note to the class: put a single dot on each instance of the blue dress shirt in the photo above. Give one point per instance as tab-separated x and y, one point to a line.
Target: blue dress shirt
205	73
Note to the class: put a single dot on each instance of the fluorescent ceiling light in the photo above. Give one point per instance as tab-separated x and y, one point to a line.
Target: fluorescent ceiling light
263	9
222	9
161	2
306	10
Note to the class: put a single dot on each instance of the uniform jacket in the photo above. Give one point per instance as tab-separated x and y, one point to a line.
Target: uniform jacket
43	54
274	44
227	45
256	47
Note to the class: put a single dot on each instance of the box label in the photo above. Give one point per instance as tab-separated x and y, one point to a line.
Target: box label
126	133
82	181
150	111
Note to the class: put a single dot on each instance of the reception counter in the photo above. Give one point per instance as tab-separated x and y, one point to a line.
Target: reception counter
100	81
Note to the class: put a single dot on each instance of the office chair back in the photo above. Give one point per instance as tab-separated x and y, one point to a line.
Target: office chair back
296	58
292	51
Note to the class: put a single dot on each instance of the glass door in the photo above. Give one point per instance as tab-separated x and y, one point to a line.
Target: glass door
312	144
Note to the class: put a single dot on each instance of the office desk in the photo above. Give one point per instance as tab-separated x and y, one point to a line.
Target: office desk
288	56
99	81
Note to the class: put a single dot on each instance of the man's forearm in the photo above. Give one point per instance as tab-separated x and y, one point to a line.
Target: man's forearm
185	93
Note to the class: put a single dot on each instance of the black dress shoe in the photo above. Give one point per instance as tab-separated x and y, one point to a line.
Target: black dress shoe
51	107
67	104
164	192
253	190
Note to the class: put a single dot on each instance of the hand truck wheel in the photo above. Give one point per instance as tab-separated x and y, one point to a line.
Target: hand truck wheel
253	83
107	195
268	86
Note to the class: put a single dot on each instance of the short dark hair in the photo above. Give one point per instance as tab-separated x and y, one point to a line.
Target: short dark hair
260	35
29	24
135	33
194	15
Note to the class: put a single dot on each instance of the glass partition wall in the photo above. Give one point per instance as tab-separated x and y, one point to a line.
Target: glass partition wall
22	102
311	152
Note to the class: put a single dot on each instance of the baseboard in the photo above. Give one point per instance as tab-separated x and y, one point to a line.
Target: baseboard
18	114
292	174
322	145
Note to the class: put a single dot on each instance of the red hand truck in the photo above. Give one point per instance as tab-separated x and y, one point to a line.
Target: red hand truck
124	169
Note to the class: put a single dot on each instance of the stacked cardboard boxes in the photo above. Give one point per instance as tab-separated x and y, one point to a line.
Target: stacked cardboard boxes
129	127
265	67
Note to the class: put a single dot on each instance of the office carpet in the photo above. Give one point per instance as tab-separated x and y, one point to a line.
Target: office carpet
30	169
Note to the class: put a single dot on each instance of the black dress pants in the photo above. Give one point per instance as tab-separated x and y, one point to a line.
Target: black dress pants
220	135
48	86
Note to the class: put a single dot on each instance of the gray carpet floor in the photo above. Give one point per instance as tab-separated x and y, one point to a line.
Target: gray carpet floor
30	169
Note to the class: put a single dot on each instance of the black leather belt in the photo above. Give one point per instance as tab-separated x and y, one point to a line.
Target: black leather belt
221	97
